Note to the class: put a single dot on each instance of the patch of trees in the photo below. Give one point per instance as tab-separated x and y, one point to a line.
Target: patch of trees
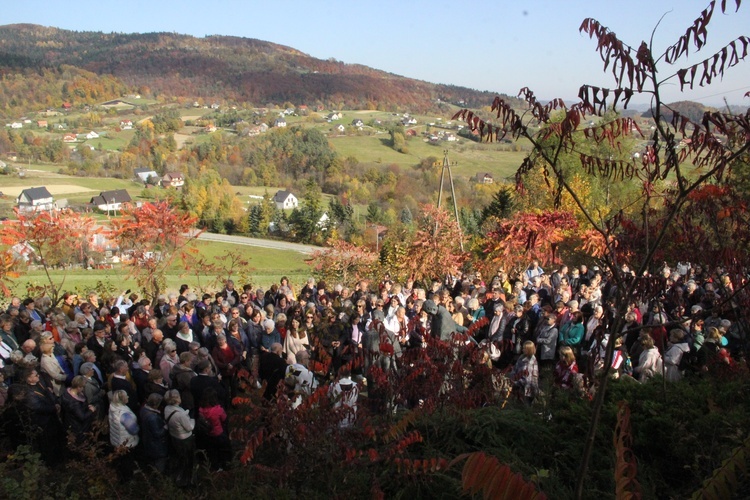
226	68
22	90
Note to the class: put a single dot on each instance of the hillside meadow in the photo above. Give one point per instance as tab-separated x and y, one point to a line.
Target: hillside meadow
267	266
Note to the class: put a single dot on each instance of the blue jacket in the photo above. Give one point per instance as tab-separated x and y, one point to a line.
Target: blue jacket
268	339
571	334
153	434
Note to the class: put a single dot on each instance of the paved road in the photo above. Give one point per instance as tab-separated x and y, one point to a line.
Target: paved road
257	242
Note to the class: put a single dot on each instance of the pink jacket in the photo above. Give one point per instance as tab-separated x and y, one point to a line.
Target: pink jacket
216	415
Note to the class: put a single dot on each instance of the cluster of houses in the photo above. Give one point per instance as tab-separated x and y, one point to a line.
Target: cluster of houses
69	138
39	199
168	180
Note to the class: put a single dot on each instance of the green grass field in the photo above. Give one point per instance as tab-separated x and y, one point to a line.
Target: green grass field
268	267
469	157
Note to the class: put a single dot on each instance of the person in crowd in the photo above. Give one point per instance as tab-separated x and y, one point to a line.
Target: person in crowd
182	375
296	340
547	339
123	432
649	361
78	415
205	380
154	434
525	373
168	360
217	438
566	374
180	427
345	393
676	351
272	369
44	426
571	333
93	392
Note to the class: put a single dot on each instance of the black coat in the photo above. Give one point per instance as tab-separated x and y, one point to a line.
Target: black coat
77	418
272	370
200	383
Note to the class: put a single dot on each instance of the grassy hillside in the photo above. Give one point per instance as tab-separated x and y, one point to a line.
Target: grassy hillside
268	267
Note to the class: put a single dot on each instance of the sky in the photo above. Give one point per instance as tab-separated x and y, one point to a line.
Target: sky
499	46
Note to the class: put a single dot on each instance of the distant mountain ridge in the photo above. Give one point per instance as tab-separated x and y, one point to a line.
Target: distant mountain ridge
224	67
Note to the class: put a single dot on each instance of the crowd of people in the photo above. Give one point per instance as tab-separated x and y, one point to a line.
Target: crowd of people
160	377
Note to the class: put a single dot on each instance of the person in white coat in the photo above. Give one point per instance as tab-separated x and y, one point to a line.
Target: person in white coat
650	362
672	358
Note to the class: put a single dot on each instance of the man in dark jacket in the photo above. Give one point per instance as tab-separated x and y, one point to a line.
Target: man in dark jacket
272	369
204	380
154	434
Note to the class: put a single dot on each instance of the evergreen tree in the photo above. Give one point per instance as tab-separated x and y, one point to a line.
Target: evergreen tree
406	217
502	205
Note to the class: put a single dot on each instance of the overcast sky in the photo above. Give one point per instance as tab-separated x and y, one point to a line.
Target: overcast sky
498	46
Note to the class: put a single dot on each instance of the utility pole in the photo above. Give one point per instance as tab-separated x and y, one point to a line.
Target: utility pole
447	166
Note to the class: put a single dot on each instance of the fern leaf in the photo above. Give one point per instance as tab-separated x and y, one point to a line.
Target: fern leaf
725	479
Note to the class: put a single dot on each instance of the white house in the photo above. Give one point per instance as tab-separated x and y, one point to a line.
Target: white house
357	122
280	122
341	129
35	198
92	135
285	199
16	125
144	174
126	125
173	179
109	201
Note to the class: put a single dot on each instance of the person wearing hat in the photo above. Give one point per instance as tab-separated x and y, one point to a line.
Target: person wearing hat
96	341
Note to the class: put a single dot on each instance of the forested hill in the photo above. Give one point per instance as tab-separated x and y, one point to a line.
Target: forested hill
222	67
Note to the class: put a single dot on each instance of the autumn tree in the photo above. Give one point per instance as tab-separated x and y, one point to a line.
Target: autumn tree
212	200
683	158
435	248
154	237
305	221
343	262
56	240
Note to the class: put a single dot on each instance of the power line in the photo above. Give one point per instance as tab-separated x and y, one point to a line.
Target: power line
720	93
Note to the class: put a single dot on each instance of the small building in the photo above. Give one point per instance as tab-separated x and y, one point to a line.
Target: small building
16	125
341	129
41	123
92	135
111	201
210	128
484	178
144	174
280	122
126	125
70	138
285	199
172	179
35	199
357	123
